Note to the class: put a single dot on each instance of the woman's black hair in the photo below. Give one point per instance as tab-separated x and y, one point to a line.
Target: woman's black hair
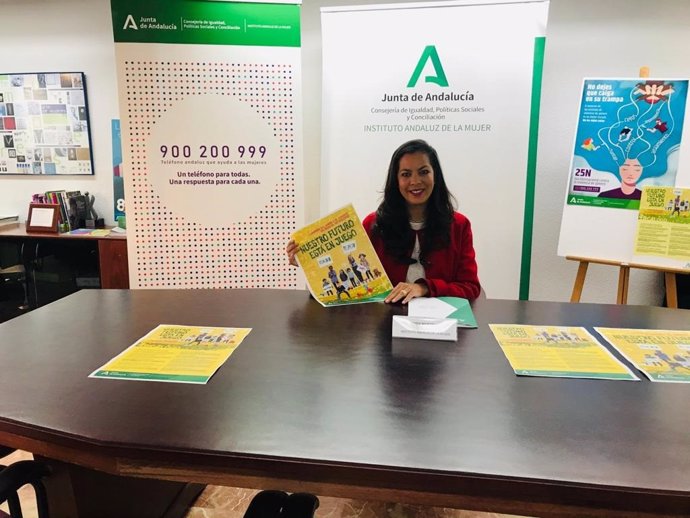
393	220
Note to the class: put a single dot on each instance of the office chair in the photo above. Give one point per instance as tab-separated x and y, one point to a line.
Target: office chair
278	504
17	273
17	475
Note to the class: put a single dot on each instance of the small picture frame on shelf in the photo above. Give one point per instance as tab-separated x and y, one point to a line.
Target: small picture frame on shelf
43	217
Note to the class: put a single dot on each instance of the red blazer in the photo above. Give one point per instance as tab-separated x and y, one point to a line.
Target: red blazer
450	272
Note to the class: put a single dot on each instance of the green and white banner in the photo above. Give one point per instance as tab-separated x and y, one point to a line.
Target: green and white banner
210	107
465	77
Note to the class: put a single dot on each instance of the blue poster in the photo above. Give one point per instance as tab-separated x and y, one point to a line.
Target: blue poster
628	136
118	179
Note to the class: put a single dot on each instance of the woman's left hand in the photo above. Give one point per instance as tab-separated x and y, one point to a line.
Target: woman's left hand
406	291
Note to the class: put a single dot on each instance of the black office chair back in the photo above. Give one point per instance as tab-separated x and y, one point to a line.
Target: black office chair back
13	271
278	504
17	475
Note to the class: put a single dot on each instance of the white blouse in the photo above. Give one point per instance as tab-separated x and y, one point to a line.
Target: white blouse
416	270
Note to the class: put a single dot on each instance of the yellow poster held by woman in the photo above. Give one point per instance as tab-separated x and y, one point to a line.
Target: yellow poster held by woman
339	261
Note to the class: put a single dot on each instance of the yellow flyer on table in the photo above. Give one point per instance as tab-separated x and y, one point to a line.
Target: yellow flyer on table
663	223
661	355
339	261
174	353
556	351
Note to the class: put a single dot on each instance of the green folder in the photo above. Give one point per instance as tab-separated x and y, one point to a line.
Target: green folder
443	307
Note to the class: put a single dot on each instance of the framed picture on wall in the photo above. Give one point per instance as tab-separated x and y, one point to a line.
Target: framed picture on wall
44	124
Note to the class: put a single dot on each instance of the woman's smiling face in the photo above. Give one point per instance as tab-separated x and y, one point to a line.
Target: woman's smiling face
415	179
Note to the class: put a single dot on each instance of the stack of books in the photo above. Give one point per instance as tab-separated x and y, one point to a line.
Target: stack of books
7	220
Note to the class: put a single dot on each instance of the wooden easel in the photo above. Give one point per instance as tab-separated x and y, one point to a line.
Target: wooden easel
624	277
624	268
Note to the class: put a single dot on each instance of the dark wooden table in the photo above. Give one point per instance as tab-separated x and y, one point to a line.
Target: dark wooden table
323	400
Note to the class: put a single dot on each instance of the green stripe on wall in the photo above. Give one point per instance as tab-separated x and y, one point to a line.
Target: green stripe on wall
528	219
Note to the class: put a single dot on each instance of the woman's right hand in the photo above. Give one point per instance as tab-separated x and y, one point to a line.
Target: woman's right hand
291	249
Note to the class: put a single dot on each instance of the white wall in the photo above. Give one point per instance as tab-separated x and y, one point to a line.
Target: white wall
45	35
311	77
611	38
584	38
64	35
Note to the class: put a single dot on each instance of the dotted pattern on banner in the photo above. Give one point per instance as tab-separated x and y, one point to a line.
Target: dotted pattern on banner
172	252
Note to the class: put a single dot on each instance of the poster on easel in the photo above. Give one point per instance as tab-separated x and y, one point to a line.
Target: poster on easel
628	136
663	223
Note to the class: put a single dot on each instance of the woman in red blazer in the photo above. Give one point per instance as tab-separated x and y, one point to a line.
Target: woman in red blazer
425	246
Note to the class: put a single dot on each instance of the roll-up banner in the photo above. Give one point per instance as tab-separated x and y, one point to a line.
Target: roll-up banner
465	76
210	109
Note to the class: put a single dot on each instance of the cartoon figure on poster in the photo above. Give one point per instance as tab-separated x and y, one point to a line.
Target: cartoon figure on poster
677	204
628	136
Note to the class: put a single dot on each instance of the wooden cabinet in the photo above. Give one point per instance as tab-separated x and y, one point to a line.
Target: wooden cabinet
112	262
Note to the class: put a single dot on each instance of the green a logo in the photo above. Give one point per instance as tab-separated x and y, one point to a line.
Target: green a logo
440	77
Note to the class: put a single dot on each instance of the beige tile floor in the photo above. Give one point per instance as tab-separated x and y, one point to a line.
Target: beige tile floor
225	502
231	502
